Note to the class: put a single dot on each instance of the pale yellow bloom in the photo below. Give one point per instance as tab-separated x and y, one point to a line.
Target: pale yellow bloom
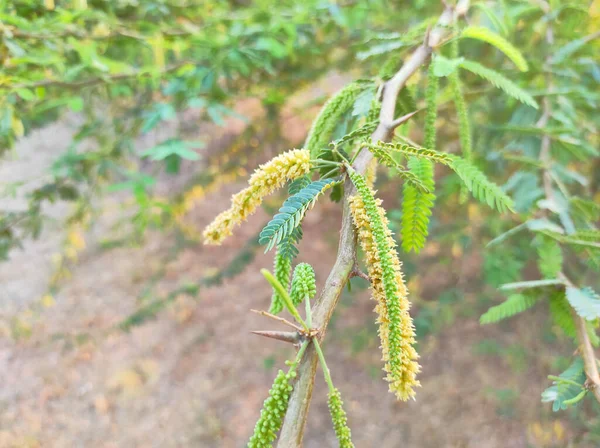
265	180
371	173
403	368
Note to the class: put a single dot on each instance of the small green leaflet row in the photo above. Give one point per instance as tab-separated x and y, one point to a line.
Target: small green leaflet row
292	211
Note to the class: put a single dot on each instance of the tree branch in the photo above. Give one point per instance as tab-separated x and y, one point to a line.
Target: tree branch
295	419
589	357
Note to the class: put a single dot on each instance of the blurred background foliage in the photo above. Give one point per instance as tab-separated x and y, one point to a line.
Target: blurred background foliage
125	69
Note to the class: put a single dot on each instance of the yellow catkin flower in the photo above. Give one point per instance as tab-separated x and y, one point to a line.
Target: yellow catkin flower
401	367
371	173
266	179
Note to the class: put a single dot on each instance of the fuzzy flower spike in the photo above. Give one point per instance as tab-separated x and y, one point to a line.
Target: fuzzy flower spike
266	179
396	330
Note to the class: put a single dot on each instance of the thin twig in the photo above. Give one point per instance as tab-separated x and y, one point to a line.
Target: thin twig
278	319
356	272
295	419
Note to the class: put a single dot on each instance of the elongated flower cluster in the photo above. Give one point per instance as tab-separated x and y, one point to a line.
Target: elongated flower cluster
282	269
339	419
329	117
396	329
265	180
273	411
303	283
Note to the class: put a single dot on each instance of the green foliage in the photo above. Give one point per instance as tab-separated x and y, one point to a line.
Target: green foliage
359	133
298	184
473	178
462	112
292	211
585	301
126	69
418	203
550	257
381	148
568	388
479	185
509	87
284	295
282	270
567	50
501	266
515	304
589	210
560	311
339	419
416	207
411	178
321	133
486	35
429	140
287	248
303	283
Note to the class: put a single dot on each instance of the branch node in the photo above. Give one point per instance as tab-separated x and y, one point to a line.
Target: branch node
356	272
278	319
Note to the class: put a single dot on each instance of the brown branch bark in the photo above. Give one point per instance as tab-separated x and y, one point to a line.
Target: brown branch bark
295	419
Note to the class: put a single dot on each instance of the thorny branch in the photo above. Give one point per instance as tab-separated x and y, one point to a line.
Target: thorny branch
295	419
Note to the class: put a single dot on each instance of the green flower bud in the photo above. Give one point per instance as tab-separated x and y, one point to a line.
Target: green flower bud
303	283
282	269
339	419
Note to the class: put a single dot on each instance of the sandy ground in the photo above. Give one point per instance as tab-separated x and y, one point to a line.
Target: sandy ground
196	377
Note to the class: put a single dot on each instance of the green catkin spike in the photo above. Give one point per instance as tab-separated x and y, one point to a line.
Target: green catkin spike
282	269
275	406
373	115
339	419
322	129
417	205
464	129
335	404
303	284
396	329
272	413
